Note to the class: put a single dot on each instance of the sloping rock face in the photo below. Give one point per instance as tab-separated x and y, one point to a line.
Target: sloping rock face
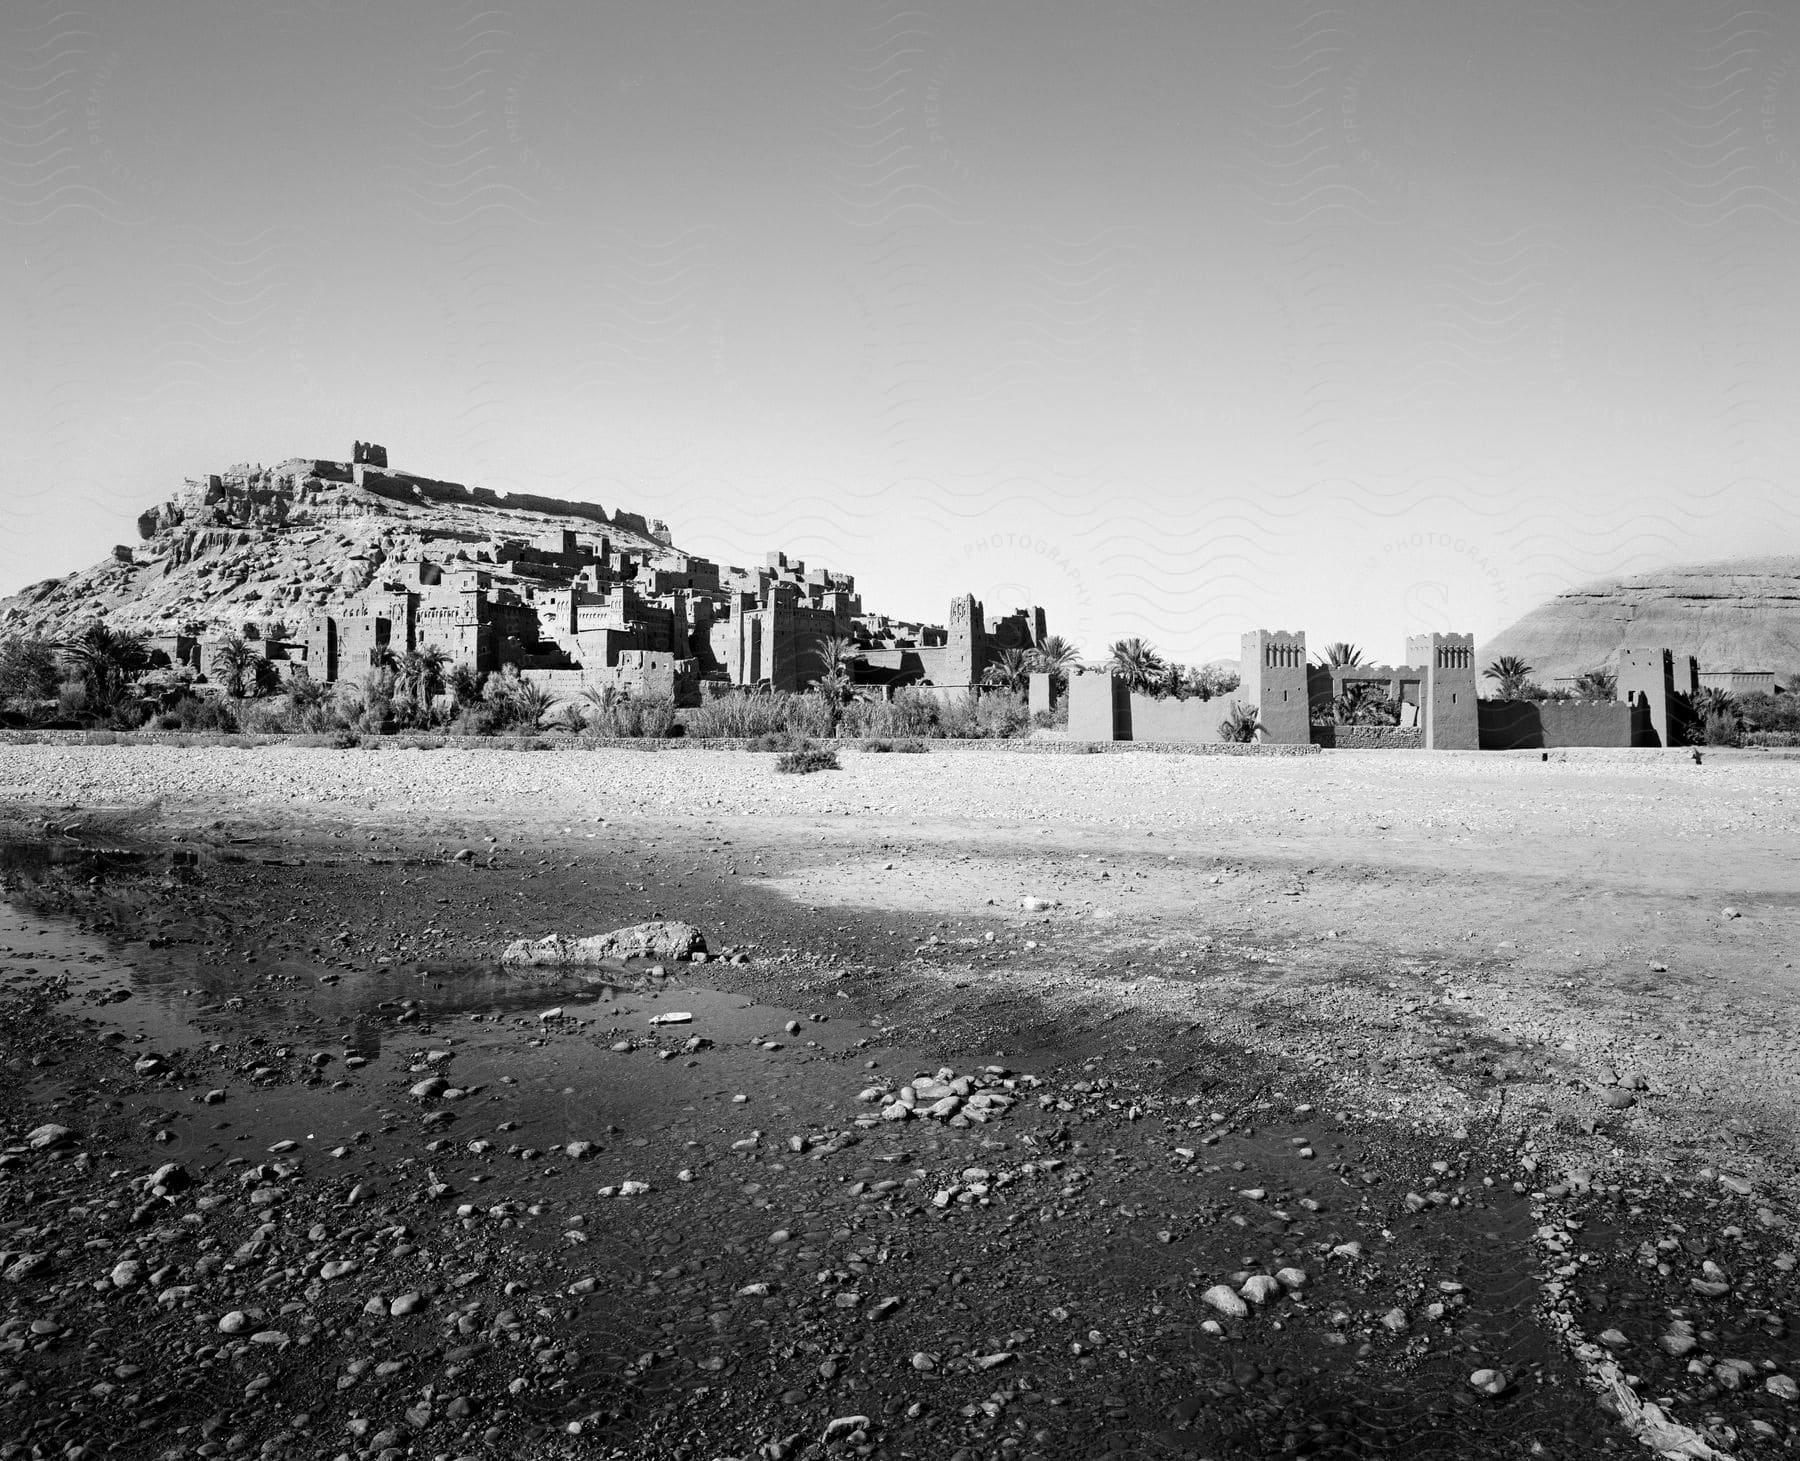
264	544
640	941
1738	615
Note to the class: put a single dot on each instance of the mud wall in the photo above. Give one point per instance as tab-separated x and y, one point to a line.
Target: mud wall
1526	725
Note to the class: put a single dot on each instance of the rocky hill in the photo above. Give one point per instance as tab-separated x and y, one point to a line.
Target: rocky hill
1737	615
269	545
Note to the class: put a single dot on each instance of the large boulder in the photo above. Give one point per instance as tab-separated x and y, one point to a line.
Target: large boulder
640	941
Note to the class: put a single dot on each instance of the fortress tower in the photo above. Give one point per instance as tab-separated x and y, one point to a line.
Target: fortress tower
1272	673
1448	706
1661	677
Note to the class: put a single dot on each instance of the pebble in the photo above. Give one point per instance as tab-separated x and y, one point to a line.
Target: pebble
406	1304
1489	1382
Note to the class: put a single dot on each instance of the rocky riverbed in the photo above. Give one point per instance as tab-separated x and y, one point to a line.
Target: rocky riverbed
982	1134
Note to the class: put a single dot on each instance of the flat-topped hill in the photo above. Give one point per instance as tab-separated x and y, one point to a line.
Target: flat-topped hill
1742	614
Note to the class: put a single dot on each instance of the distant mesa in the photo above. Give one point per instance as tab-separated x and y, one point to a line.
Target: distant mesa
1741	615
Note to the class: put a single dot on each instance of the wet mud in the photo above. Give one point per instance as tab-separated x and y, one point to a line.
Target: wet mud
425	1204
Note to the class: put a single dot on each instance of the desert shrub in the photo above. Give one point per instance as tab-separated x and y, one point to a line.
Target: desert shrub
777	741
1241	724
807	760
1762	711
199	713
345	740
906	747
522	704
1772	739
757	713
72	701
28	670
985	717
910	714
1722	730
259	718
479	719
630	716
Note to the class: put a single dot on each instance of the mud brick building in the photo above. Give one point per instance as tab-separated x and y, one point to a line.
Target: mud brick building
645	618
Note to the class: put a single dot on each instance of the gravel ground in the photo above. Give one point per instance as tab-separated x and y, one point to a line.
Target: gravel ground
1564	983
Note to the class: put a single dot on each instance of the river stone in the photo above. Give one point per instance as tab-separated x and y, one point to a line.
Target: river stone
170	1177
657	940
1259	1288
1225	1301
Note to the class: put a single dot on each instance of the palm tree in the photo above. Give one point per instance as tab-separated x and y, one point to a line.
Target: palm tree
1136	663
465	684
601	697
1056	657
529	704
838	654
108	660
1352	703
235	661
1011	670
1600	684
1209	680
419	678
1241	724
1512	674
1341	655
432	660
1710	700
305	693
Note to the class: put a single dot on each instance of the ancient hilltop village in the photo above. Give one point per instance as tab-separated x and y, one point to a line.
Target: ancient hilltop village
610	604
350	565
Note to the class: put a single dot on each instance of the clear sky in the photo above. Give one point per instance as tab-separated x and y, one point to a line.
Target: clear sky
1179	318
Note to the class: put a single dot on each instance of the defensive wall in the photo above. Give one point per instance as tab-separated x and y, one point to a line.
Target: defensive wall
1436	691
1435	694
1530	725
